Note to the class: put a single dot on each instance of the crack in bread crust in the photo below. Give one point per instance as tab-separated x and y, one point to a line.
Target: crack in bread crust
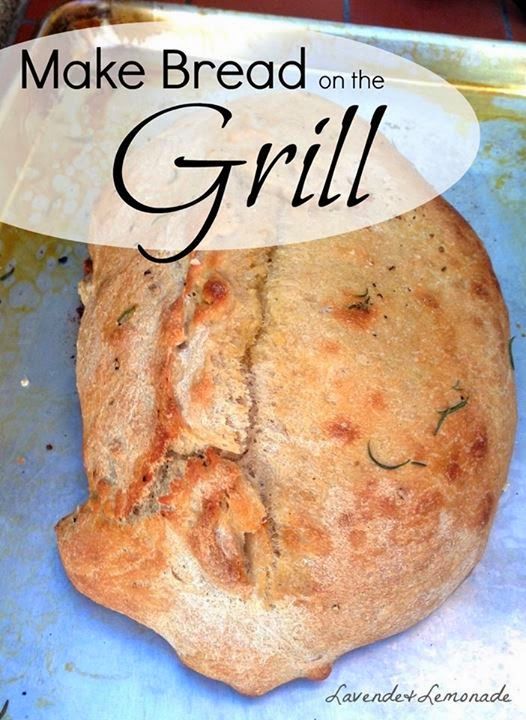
165	477
246	459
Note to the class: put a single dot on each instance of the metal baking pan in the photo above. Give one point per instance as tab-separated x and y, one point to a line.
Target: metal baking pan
62	656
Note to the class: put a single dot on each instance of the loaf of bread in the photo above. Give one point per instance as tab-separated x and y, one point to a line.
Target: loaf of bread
291	452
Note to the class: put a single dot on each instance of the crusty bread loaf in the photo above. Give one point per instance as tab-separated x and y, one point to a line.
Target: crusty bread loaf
291	452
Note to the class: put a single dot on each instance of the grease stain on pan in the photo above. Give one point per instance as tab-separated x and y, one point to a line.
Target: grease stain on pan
43	702
32	255
36	266
71	667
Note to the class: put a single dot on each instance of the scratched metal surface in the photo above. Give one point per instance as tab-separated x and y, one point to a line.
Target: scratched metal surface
63	657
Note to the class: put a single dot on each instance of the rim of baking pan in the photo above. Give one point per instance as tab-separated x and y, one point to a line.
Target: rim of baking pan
480	64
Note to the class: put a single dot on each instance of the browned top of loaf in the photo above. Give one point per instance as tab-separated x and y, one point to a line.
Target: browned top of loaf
231	407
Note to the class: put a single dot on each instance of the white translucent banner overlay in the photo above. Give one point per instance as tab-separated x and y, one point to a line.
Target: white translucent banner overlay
220	132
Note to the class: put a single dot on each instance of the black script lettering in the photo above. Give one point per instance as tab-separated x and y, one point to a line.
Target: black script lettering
216	189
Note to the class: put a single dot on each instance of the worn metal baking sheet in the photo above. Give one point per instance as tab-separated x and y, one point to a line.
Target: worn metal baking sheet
63	657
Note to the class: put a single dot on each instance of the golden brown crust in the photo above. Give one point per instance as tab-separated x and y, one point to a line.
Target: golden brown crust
237	410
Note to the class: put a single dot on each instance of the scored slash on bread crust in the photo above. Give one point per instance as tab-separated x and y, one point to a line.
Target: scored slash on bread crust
234	507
